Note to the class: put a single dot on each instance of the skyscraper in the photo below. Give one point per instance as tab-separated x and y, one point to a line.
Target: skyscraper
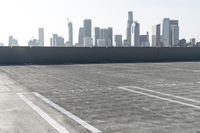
104	35
174	33
144	40
166	32
118	41
96	35
170	33
70	34
128	30
12	42
192	42
107	35
101	43
57	41
87	24
33	43
110	37
41	37
135	34
156	37
88	42
81	36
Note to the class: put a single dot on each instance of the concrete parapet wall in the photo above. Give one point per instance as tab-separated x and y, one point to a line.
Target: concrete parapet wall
62	55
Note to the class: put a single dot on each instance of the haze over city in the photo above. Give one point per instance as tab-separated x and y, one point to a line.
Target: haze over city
22	18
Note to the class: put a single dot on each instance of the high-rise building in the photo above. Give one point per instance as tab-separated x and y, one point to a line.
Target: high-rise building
81	36
107	35
37	43
70	34
96	35
118	41
110	37
101	43
192	42
183	43
104	35
156	37
125	42
12	42
88	42
57	41
87	24
135	34
33	43
144	40
166	32
198	44
174	33
41	37
128	30
170	33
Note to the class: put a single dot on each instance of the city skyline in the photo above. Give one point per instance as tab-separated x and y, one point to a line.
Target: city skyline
41	14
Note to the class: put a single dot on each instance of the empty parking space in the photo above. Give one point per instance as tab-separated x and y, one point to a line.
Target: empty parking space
114	98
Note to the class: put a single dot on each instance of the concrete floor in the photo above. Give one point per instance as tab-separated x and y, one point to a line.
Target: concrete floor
111	98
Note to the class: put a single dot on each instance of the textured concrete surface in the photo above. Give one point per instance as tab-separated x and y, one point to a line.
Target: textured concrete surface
92	93
67	55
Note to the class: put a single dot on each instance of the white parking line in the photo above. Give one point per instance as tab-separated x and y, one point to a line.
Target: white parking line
4	88
45	116
161	98
165	94
68	114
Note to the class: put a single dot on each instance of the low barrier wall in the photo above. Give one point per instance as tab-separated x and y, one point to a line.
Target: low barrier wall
62	55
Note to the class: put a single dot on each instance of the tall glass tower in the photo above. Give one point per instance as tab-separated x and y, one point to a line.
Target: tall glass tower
87	28
70	34
128	30
170	33
41	37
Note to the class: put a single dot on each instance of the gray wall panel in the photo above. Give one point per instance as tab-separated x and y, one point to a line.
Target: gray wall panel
58	55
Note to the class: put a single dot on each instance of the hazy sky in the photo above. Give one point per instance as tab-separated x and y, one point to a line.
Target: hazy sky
22	18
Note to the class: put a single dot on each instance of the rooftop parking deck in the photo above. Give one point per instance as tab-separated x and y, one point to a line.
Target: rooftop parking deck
107	98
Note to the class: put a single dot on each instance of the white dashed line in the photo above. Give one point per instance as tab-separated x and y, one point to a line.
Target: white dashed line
45	116
68	114
165	94
161	98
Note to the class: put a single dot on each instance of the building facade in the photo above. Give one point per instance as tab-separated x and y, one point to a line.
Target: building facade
170	33
70	34
118	41
144	40
135	34
88	42
156	36
41	37
12	42
57	41
110	37
87	25
81	36
101	43
128	30
96	35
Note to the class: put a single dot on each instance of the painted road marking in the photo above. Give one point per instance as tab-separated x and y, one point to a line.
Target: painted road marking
68	114
4	89
159	97
45	116
165	94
